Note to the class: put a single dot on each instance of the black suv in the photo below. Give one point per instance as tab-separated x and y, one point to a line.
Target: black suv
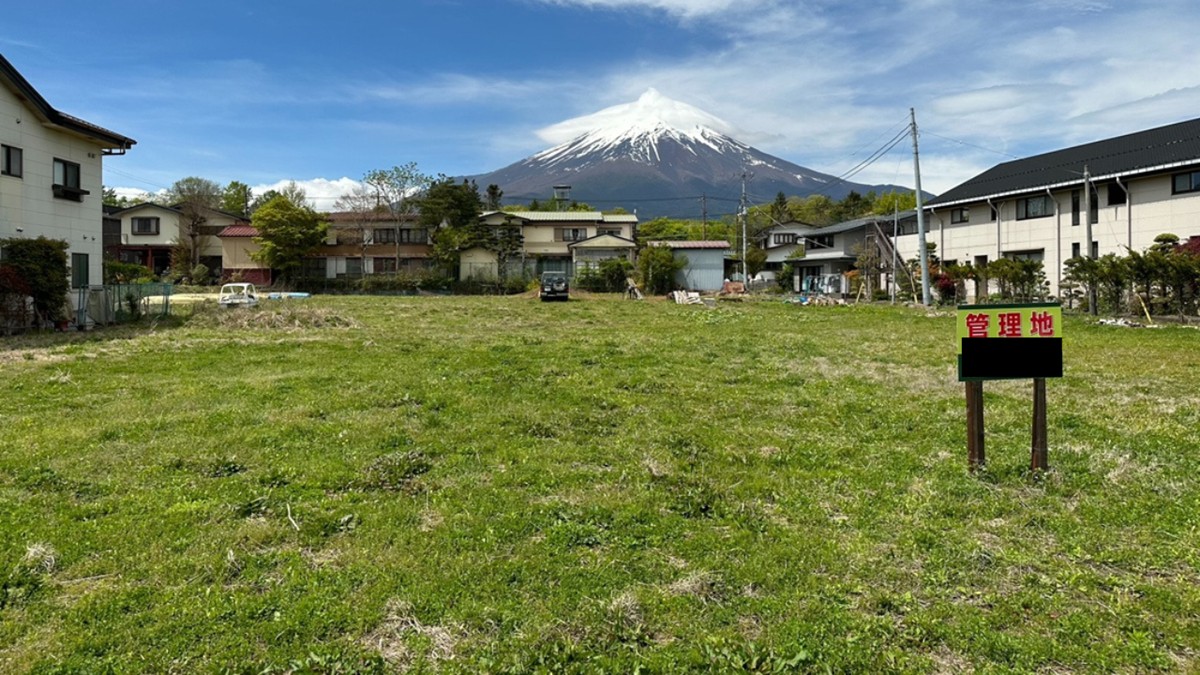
554	286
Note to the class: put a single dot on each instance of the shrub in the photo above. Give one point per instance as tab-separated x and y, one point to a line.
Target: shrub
117	272
200	274
42	265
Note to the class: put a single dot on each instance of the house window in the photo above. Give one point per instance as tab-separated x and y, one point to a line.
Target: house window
79	270
384	265
414	236
821	241
570	233
615	231
783	238
1034	207
1116	195
12	161
1093	207
313	268
960	216
1075	250
1095	249
995	214
66	181
1185	182
384	235
1036	254
144	225
354	267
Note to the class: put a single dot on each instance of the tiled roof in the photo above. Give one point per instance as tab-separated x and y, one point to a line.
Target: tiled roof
567	216
1162	148
239	231
692	245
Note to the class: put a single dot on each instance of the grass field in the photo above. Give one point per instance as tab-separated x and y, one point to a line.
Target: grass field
500	485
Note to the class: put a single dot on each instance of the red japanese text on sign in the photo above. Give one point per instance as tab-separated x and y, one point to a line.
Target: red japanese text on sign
1041	324
1010	324
977	325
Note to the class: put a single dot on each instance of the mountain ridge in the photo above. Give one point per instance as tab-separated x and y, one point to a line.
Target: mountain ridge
659	157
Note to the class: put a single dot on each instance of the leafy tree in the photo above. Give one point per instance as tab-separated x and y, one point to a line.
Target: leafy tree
265	197
450	211
815	210
657	266
399	188
756	260
41	266
892	202
287	232
236	199
780	212
853	206
494	198
194	197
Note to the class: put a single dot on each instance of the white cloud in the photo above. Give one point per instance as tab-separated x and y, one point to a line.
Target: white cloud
322	193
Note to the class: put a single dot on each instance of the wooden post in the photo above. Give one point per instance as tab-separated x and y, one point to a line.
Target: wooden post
975	457
1039	460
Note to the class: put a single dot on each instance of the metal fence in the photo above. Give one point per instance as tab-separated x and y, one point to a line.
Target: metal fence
120	303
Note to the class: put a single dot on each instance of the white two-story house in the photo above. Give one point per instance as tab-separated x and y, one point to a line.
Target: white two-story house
1139	186
51	175
555	241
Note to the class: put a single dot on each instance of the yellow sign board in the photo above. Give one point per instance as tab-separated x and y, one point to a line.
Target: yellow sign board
1009	321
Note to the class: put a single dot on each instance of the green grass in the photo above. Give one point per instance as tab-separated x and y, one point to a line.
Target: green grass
497	484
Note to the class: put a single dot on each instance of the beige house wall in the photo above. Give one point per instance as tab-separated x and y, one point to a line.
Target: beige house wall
28	207
170	229
236	253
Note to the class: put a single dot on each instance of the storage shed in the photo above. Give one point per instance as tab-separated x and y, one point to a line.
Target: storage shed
705	269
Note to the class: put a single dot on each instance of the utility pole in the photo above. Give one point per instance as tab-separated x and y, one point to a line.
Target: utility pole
1087	219
926	296
895	227
704	217
742	213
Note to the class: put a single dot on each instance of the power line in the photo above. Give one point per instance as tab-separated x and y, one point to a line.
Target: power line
972	145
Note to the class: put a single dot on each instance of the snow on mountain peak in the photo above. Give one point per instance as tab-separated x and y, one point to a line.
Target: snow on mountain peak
651	111
640	123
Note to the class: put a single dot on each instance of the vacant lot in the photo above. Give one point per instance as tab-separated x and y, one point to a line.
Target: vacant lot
496	484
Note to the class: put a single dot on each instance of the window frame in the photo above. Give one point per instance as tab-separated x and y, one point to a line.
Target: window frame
1023	207
1193	182
383	235
960	215
133	226
783	238
7	153
413	235
70	186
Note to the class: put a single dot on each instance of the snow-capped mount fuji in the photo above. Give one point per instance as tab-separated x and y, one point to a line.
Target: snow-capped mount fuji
658	156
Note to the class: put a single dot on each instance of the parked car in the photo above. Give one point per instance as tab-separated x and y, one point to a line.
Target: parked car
554	286
238	295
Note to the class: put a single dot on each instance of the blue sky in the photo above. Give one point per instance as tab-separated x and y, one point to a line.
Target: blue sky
272	90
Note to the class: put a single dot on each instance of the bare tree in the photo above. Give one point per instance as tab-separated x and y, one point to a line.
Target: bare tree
398	190
363	207
195	198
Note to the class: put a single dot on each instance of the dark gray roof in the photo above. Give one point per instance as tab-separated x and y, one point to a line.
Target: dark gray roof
1174	145
25	91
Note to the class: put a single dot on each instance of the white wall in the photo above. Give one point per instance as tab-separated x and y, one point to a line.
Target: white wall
1150	210
28	204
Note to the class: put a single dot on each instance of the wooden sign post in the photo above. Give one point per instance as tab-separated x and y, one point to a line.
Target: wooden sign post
1008	342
